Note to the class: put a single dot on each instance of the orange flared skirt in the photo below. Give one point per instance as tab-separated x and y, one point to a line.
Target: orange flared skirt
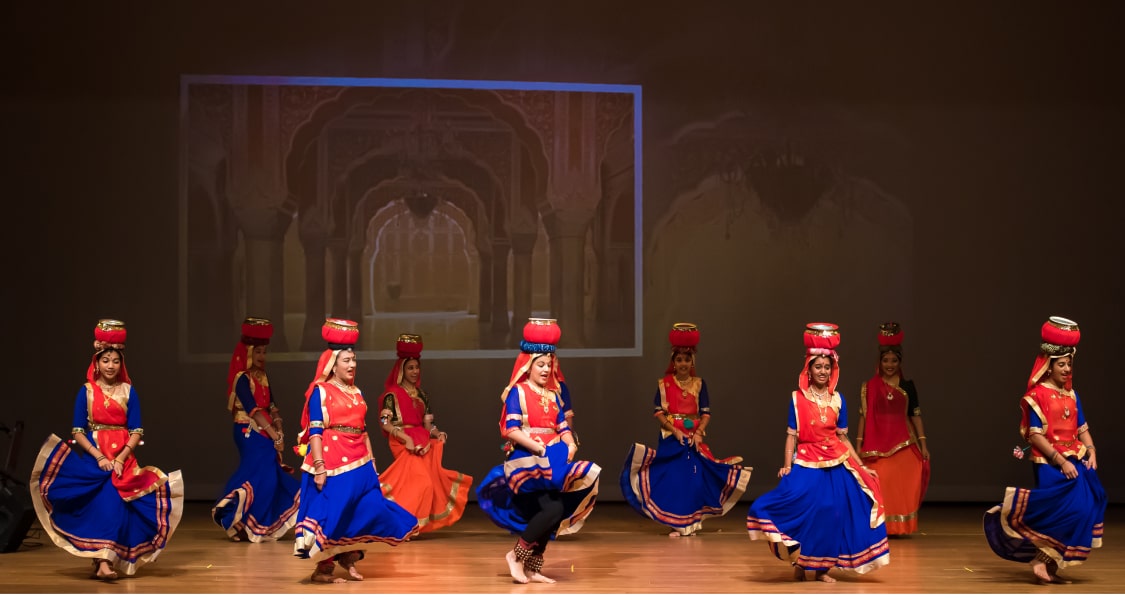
435	495
903	477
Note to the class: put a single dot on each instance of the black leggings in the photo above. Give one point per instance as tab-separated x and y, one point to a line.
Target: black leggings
544	510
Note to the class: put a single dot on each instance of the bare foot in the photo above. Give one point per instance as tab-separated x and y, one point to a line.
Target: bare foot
105	572
349	563
1053	572
318	577
538	577
514	567
1040	570
323	574
825	577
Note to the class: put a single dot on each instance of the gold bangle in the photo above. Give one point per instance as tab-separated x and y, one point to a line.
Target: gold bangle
921	437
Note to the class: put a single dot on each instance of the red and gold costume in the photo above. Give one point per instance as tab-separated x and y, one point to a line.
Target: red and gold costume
889	445
348	513
827	511
681	484
260	499
90	512
1061	519
416	480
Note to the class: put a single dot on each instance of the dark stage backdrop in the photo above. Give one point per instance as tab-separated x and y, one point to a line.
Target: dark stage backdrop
954	168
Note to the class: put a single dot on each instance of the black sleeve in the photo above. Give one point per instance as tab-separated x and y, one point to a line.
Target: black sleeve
912	408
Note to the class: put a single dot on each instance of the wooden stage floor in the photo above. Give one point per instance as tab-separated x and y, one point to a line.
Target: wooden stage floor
618	552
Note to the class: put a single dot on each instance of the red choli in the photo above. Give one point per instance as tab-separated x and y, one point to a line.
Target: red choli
817	443
107	422
540	415
411	413
260	388
680	403
342	450
1058	411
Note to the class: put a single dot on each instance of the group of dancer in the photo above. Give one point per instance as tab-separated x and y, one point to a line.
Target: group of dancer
833	508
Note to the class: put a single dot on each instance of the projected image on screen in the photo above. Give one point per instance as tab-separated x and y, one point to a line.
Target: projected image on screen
451	209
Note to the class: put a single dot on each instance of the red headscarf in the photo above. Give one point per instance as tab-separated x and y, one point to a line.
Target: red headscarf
408	346
684	337
890	340
1060	337
540	337
340	334
255	332
109	334
821	339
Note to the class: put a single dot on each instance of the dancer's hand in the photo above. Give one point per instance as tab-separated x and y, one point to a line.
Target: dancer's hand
319	480
783	471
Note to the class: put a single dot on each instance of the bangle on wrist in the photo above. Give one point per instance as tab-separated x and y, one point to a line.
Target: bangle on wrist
921	437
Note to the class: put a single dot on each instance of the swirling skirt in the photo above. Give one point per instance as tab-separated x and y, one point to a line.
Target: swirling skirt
435	495
523	472
1062	517
820	519
677	485
350	513
260	498
84	514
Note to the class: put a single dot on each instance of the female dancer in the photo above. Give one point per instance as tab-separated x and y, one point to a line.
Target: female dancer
342	509
827	511
891	439
95	500
680	482
260	499
540	490
1055	524
416	480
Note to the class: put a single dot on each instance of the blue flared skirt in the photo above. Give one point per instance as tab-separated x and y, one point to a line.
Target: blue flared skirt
577	483
350	513
1064	518
260	498
678	486
83	513
821	519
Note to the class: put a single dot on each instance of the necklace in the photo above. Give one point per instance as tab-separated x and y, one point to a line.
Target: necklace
1060	394
682	385
890	390
821	403
107	392
351	391
544	397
